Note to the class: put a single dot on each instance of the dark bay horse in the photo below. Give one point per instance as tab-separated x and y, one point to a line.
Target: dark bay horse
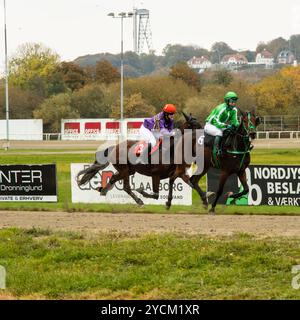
235	159
125	169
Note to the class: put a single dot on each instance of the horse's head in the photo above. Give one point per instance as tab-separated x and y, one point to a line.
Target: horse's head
249	122
191	122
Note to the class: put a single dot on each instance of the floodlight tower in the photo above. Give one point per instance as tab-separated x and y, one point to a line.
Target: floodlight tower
141	30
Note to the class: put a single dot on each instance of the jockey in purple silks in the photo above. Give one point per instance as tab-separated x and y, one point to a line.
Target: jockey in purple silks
156	127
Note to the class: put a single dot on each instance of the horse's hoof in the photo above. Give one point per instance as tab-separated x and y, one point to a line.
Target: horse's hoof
103	191
168	205
140	204
205	206
212	211
99	189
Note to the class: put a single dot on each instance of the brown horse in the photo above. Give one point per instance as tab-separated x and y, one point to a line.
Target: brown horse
234	159
119	156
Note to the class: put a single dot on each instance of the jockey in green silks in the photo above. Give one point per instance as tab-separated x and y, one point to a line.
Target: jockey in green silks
222	117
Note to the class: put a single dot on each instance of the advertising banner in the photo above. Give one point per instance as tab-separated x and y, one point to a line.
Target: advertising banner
182	194
100	129
133	127
28	183
273	185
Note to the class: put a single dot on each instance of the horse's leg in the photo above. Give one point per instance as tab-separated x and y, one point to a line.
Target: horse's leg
180	172
223	178
170	195
243	178
203	195
130	192
155	189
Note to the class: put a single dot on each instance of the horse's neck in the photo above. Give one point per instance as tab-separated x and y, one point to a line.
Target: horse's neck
238	140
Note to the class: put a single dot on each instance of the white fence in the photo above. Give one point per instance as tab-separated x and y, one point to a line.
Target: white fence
278	135
280	123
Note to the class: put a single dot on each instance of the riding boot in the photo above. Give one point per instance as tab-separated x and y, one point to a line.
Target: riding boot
218	144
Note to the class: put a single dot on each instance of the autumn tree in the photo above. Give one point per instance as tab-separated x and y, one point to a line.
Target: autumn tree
106	73
22	103
31	67
53	109
222	77
202	104
148	62
134	107
73	76
277	45
156	91
295	45
185	73
279	93
89	102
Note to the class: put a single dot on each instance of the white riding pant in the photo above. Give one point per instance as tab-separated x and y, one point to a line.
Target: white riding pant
213	130
149	136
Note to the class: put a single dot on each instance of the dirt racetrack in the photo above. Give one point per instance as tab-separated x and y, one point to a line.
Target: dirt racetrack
84	145
91	223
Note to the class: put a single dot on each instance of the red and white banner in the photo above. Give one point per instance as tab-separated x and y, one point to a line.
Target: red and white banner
100	129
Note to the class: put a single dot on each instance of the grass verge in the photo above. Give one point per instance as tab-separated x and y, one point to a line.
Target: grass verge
41	264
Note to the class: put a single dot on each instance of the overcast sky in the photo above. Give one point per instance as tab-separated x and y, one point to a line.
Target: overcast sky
74	28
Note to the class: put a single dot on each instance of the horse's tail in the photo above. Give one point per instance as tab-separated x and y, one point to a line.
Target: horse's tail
101	163
87	174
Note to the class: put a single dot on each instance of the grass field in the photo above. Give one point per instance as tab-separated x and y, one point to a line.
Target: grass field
280	156
41	264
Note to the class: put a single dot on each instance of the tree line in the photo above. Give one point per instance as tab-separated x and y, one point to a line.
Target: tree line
139	65
42	86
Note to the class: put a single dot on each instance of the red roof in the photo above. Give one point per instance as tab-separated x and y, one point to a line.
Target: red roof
198	60
266	54
237	57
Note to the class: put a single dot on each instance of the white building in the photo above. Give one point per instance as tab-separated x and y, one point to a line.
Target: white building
285	57
234	60
265	57
201	63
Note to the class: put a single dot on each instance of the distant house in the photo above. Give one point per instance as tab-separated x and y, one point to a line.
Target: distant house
234	60
285	57
264	57
201	63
